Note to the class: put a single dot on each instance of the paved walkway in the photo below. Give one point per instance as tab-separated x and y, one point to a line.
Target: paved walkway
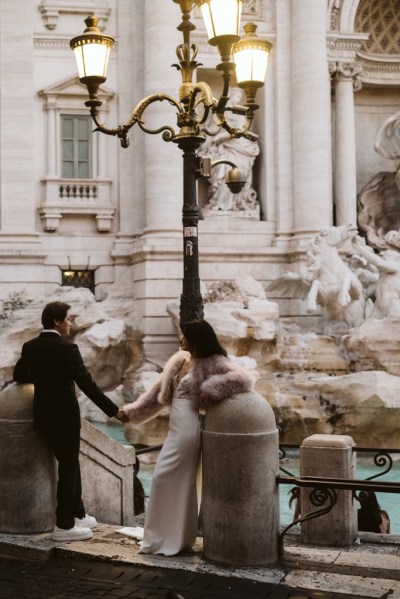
76	579
109	565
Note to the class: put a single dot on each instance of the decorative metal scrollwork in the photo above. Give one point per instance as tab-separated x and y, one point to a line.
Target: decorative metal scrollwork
318	497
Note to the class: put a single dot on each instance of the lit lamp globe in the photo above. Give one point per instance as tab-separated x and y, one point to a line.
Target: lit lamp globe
250	56
92	51
222	21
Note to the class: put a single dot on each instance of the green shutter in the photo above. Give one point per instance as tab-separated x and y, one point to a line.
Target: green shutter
76	147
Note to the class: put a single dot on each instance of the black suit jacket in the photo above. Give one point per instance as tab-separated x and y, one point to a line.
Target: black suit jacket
54	364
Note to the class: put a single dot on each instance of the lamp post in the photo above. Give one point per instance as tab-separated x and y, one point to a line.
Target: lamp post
222	20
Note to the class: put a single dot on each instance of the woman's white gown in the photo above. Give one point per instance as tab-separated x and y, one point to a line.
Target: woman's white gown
172	512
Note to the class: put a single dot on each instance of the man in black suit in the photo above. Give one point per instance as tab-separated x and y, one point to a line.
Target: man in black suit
54	364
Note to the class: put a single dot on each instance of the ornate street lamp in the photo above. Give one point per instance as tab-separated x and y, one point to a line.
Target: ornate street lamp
222	19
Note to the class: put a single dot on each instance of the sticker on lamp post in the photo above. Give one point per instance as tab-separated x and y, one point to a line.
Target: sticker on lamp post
189	248
190	232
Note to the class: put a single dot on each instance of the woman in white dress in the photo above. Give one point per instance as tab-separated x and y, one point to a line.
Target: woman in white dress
197	375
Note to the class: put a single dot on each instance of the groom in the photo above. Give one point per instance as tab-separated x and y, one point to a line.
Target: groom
54	364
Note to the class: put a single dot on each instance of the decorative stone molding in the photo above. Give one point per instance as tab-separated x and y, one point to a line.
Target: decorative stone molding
368	32
344	47
253	9
334	12
77	197
340	71
377	70
73	196
52	9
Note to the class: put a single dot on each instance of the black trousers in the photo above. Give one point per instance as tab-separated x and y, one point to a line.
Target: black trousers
65	446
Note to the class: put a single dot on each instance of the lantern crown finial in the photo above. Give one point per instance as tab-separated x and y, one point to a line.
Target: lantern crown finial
91	24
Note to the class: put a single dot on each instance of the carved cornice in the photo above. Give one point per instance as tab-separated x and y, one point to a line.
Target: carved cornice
54	42
52	9
340	44
379	69
58	43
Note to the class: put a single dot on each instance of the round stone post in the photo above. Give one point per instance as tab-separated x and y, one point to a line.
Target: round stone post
27	467
240	497
329	456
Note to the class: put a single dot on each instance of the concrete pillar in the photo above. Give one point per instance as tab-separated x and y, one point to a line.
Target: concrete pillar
240	497
329	456
311	118
27	467
345	80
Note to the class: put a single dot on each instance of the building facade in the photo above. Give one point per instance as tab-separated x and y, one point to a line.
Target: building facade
77	208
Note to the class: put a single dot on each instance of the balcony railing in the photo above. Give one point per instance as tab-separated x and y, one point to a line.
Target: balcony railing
76	197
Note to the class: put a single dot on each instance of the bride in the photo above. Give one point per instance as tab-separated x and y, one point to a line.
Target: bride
196	376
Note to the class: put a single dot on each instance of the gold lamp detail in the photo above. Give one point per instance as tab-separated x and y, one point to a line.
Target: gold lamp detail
251	55
222	20
92	51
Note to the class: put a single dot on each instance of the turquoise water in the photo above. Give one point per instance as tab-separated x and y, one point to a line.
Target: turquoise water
365	467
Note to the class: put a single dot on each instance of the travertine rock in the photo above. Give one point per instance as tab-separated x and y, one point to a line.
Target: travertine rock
375	346
364	405
239	312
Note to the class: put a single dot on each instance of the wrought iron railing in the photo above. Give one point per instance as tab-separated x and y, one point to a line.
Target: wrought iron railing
324	490
323	494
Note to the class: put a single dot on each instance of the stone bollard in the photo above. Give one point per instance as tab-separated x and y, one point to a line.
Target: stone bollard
329	456
27	467
240	497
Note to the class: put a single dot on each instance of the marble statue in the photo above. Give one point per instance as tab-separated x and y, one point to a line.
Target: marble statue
242	152
379	211
379	199
387	288
329	282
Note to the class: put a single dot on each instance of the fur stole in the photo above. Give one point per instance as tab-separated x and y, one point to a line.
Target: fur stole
213	379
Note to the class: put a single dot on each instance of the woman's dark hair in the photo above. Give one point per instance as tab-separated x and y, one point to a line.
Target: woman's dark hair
369	514
54	312
202	340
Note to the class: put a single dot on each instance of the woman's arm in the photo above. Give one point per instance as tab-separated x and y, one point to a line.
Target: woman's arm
146	406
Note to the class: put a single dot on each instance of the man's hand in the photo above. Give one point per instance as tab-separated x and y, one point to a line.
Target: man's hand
122	416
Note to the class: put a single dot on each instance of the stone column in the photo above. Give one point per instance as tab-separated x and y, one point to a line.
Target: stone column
17	131
131	183
283	139
311	118
163	160
329	456
345	78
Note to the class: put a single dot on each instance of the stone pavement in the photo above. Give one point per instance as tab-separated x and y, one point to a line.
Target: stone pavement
109	565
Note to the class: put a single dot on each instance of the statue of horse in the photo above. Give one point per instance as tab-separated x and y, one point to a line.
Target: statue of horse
328	281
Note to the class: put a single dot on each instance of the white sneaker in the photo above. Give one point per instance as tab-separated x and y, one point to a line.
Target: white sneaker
76	533
87	521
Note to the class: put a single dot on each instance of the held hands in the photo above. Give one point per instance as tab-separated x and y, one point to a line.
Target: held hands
122	416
